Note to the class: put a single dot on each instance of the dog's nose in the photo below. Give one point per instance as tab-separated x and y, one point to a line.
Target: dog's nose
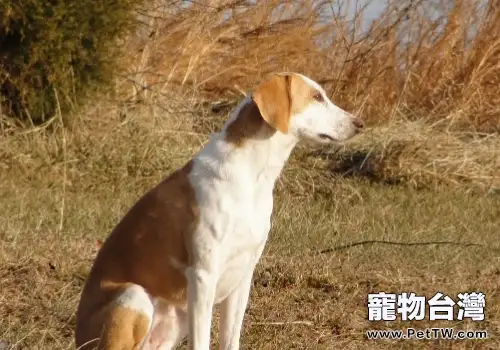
358	123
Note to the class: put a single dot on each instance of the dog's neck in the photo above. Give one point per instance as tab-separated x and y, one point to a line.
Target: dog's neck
247	149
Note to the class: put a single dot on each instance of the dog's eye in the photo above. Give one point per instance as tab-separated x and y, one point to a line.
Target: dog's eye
318	97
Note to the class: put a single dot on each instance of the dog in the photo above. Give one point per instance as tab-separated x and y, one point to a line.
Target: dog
193	241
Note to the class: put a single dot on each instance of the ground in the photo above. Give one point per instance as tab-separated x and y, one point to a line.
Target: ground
332	242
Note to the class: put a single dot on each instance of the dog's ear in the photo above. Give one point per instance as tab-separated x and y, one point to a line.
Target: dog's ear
273	99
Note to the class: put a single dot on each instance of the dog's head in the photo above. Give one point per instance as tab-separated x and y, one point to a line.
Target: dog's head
294	104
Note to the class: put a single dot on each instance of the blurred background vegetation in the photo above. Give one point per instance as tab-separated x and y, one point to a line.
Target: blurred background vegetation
423	74
54	51
427	58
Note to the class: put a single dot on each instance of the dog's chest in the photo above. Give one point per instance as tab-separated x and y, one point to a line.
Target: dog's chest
241	250
236	203
243	223
235	268
239	219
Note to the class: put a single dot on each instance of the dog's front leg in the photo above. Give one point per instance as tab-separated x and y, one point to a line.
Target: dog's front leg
201	295
232	312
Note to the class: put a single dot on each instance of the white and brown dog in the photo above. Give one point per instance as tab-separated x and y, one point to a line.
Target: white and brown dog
194	240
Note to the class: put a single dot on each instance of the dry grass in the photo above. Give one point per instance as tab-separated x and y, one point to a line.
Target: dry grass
413	153
425	58
58	198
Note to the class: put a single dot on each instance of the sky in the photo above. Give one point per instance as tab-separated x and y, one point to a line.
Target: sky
373	9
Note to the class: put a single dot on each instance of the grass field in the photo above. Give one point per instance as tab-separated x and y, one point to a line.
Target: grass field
334	239
411	205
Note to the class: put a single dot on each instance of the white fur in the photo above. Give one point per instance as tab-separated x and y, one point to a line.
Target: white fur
136	299
322	118
234	191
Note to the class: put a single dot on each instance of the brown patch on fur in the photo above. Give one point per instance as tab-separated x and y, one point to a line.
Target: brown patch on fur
140	251
273	98
274	101
247	124
125	327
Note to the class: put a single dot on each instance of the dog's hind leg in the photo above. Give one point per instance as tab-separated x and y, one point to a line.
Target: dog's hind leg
123	324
